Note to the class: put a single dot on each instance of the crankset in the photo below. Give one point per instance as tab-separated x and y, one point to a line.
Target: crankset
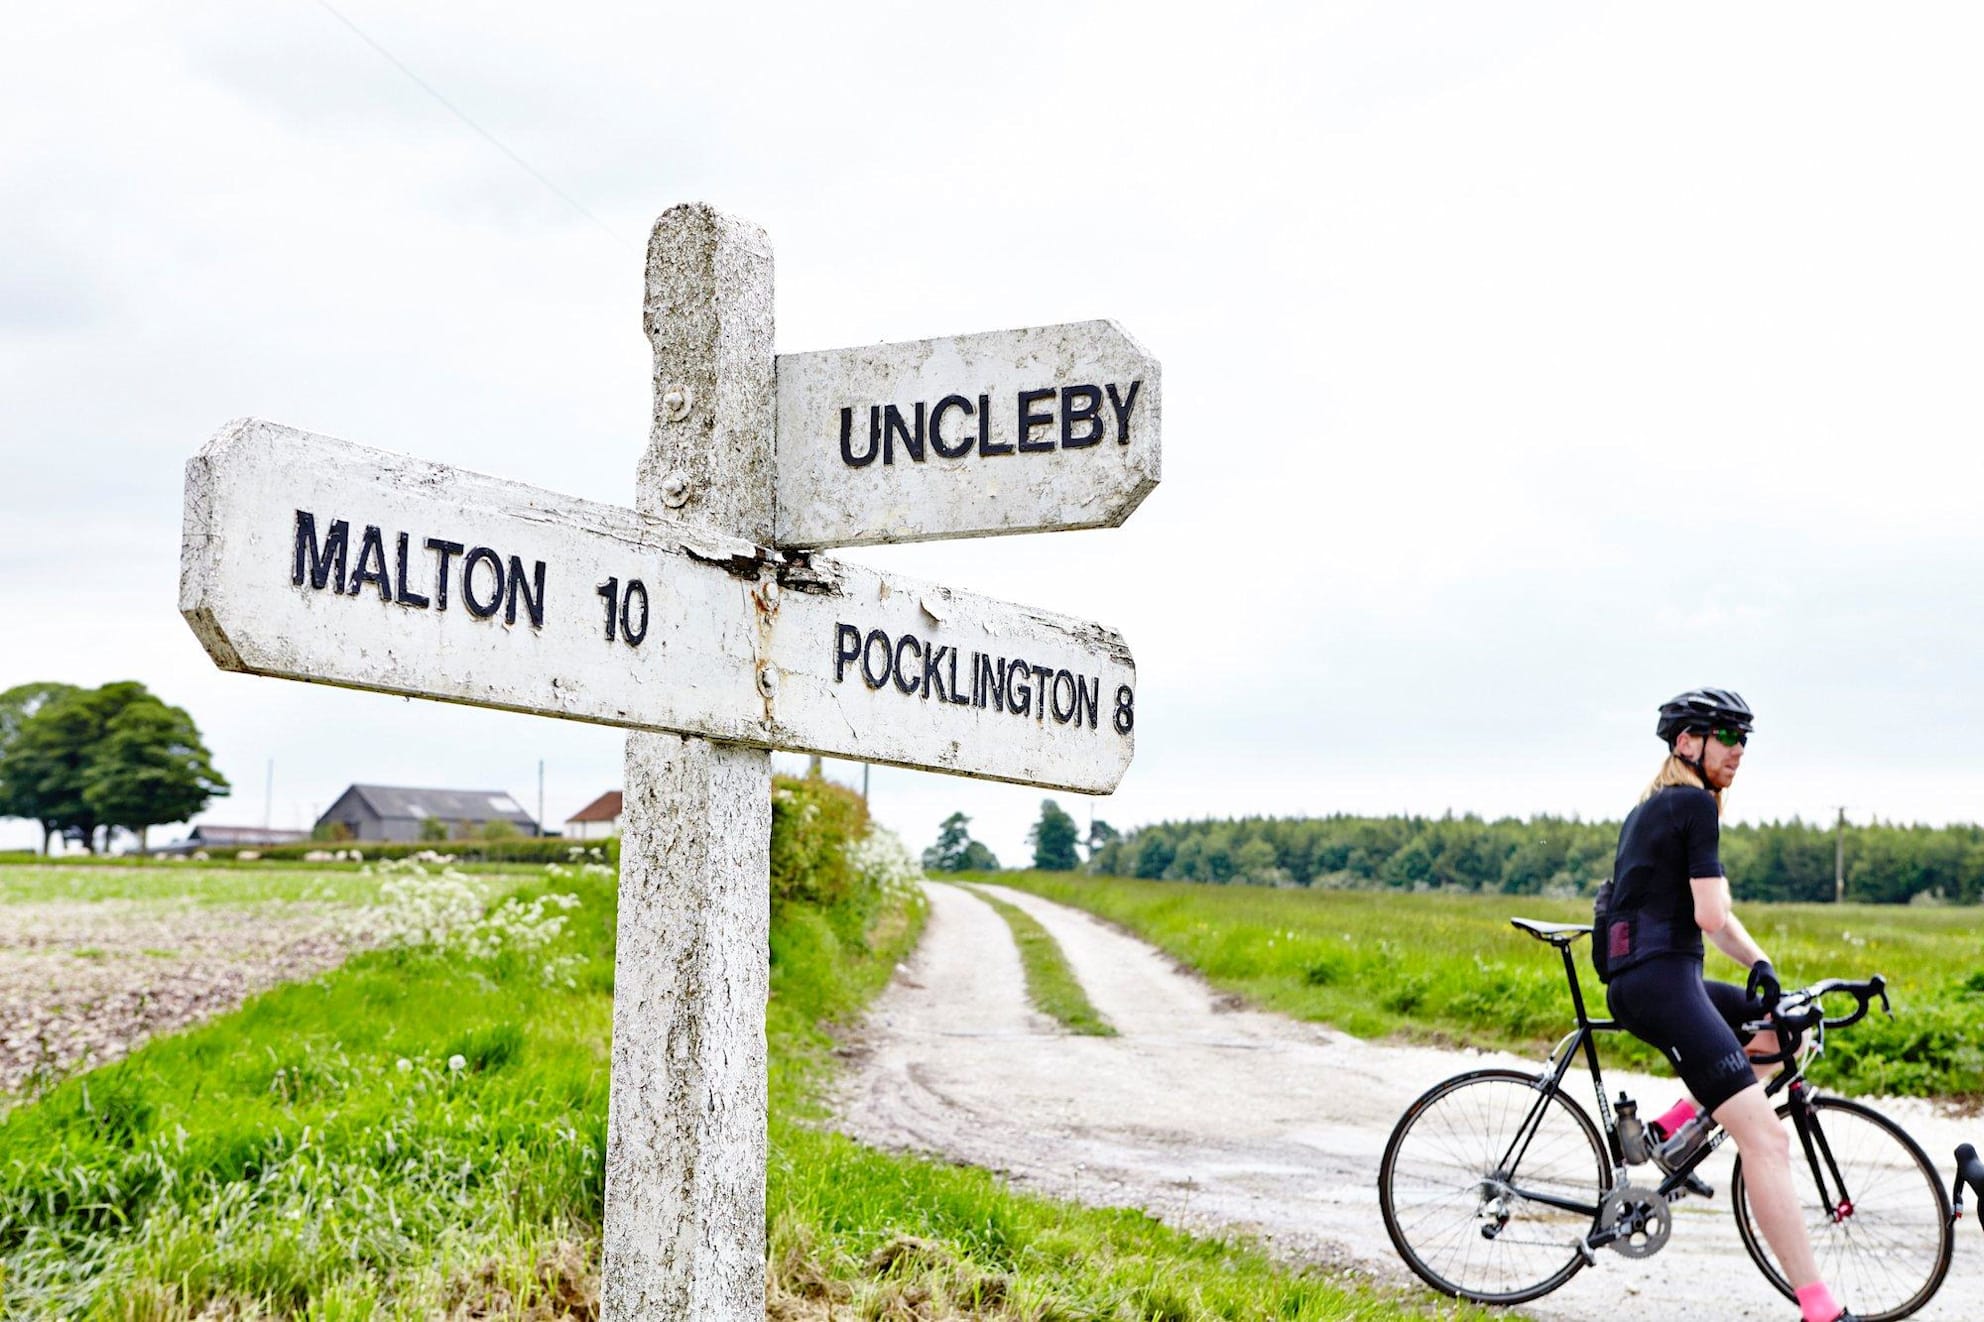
1633	1222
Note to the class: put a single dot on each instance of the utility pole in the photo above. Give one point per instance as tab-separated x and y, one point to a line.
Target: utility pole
1839	859
540	798
269	796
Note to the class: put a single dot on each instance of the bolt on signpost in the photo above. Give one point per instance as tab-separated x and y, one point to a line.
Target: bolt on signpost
702	621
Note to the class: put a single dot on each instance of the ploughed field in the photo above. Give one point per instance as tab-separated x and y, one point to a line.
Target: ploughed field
96	959
1441	967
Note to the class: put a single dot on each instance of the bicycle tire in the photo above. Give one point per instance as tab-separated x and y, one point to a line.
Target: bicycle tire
1441	1194
1888	1256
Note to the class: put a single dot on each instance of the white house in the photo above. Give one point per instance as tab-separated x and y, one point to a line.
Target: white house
598	820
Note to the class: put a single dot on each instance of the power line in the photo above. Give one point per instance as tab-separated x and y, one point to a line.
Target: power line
458	113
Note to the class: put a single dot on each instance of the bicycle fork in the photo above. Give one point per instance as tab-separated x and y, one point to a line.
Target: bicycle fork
1835	1197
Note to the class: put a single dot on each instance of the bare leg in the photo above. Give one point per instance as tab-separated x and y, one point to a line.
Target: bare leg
1766	1149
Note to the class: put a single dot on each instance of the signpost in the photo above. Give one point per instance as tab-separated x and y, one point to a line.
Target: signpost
310	558
1009	431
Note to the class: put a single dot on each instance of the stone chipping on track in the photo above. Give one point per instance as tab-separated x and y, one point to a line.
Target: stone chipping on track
1219	1118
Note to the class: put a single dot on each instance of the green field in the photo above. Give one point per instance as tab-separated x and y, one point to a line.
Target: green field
421	1133
1448	968
196	883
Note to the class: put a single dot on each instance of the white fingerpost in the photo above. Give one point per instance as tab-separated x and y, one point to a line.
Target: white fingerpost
307	558
685	1156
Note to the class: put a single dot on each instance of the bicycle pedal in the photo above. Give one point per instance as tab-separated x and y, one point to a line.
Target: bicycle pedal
1696	1186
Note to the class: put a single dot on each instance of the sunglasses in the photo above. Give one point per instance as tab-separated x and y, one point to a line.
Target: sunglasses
1732	738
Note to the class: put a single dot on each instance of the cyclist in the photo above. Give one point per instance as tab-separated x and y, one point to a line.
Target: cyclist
1668	890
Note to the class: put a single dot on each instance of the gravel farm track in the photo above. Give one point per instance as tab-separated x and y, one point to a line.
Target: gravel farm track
1215	1117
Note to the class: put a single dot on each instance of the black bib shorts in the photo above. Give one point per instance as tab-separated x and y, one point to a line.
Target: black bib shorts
1696	1023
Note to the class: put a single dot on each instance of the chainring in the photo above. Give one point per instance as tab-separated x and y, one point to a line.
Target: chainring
1640	1219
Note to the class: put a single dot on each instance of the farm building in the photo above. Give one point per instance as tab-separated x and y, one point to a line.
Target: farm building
207	836
396	813
598	820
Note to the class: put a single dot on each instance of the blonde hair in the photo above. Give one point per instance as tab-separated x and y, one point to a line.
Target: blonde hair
1675	771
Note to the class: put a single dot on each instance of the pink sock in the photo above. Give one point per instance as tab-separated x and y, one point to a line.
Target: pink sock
1816	1303
1671	1120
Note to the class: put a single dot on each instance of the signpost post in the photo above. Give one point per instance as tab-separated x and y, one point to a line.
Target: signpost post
310	558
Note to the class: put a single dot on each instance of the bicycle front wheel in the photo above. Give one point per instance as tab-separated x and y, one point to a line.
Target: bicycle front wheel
1490	1186
1873	1205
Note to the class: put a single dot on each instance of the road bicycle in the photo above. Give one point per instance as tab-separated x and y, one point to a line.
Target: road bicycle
1497	1187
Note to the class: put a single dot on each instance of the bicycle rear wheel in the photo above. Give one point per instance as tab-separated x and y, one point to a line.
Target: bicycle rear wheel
1464	1178
1886	1248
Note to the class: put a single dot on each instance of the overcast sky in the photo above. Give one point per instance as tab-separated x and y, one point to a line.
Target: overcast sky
1523	363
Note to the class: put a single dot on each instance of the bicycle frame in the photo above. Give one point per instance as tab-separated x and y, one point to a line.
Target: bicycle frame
1811	1136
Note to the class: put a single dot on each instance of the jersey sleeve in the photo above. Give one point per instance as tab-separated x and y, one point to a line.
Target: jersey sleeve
1701	832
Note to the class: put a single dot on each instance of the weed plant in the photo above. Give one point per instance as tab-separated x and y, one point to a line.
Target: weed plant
1446	967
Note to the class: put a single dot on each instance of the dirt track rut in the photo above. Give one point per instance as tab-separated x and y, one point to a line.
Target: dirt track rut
1215	1117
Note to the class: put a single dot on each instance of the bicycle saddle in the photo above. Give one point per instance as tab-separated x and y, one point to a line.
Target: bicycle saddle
1557	934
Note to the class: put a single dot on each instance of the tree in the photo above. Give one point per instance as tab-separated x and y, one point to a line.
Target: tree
956	851
149	768
1053	839
47	764
1100	836
17	705
61	767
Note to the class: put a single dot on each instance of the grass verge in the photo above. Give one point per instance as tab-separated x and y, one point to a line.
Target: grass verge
1050	983
1446	967
419	1135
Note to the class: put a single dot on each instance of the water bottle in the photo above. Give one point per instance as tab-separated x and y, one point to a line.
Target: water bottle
1632	1134
1675	1151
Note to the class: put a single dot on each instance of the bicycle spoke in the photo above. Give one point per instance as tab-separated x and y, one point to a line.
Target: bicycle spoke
1465	1224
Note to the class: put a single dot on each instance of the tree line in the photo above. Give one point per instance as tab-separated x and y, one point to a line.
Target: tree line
84	762
1885	863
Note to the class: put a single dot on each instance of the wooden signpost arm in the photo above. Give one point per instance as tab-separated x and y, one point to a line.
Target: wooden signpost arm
684	1232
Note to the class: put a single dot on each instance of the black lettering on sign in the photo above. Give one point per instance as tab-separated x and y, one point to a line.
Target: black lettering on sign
932	658
371	564
404	594
325	561
533	599
1125	719
985	446
479	556
994	689
937	442
893	426
1071	413
873	680
610	590
1029	420
448	551
630	630
906	641
1064	682
1122	407
847	646
847	440
921	667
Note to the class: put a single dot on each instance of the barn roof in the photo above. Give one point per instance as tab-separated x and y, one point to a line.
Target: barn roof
602	809
399	801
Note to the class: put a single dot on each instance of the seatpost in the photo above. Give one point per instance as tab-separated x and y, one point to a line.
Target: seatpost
1571	975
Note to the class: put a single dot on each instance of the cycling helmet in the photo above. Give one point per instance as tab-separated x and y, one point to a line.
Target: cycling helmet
1704	709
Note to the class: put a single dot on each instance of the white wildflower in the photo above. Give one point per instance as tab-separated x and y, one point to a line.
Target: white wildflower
457	1063
885	862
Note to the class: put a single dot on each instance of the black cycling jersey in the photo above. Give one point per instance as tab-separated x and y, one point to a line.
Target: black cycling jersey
1668	839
